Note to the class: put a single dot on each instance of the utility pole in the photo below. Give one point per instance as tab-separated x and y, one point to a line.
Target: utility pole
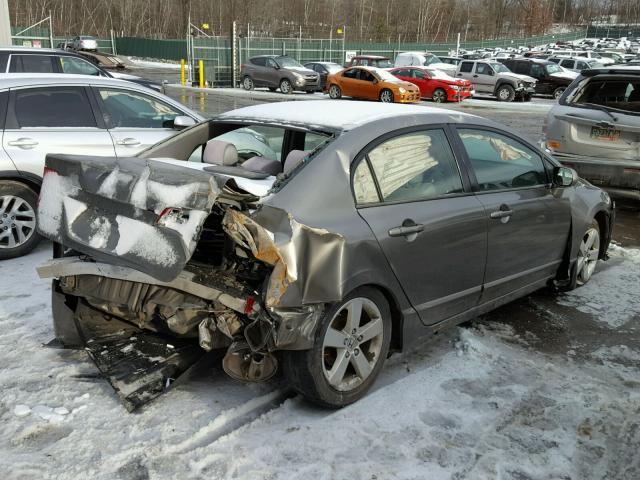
5	24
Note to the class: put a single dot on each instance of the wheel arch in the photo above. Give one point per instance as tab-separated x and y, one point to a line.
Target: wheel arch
397	318
30	180
604	220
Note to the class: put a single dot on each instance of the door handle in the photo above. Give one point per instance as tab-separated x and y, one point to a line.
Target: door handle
459	75
503	213
128	142
475	76
25	143
405	230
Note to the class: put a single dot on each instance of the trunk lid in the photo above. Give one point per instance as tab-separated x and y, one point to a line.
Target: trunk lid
133	212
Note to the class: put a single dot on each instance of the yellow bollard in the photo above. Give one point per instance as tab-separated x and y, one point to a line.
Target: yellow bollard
201	69
182	72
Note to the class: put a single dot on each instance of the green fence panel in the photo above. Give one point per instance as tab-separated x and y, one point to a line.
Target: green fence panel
152	48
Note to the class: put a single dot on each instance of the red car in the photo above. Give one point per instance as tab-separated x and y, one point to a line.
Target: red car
436	85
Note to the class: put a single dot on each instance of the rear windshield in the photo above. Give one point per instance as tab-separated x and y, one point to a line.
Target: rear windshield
615	93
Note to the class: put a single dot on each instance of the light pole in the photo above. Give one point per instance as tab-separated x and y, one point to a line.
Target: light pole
5	24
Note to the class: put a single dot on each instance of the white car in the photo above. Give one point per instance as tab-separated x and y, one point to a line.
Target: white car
73	114
424	59
84	42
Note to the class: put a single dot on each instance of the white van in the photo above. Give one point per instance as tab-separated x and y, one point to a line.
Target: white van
424	59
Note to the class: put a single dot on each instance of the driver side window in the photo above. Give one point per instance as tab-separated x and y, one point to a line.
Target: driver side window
499	162
271	63
483	69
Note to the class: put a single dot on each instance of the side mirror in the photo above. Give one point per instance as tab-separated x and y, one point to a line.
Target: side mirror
182	121
491	73
375	80
564	176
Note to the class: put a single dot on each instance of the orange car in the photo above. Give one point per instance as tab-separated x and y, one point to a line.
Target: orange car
370	83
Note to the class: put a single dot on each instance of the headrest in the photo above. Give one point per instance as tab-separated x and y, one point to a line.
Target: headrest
217	152
294	159
263	165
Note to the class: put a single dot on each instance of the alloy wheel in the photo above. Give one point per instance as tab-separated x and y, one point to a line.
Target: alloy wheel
352	344
503	94
439	96
285	86
386	96
558	93
334	92
588	255
17	221
247	83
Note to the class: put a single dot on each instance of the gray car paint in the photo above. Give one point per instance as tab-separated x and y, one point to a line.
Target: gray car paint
329	266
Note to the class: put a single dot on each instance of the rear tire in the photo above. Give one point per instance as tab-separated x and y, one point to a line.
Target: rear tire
557	93
247	83
505	93
350	346
439	95
334	92
18	205
285	86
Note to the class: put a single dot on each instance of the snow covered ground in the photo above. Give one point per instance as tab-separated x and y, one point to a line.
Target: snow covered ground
489	400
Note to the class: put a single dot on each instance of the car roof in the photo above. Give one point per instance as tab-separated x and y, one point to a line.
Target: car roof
13	80
621	69
373	57
34	50
334	114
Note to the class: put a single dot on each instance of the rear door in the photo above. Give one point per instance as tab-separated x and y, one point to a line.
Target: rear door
430	226
135	120
465	70
58	119
528	222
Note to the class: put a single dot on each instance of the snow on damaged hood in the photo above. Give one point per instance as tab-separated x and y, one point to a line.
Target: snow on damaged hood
127	211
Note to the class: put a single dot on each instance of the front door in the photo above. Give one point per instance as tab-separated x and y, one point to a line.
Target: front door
484	78
431	229
52	120
528	222
135	120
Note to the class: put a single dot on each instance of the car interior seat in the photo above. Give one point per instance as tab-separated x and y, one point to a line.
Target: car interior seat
263	165
217	152
294	158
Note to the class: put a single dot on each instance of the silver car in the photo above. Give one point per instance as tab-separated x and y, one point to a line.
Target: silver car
74	114
595	128
84	42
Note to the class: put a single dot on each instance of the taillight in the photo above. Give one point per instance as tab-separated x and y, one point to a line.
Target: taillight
169	216
553	144
248	306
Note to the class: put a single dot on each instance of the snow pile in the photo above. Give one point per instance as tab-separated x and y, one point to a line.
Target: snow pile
467	405
145	241
614	299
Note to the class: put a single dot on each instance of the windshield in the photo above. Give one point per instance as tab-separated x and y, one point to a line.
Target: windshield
553	69
332	67
287	62
500	68
614	93
431	59
385	75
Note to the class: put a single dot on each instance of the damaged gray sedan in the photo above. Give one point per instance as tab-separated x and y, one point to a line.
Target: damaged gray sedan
311	237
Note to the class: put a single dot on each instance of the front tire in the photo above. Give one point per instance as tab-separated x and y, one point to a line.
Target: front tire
285	86
506	93
350	346
386	96
334	92
588	254
18	204
439	95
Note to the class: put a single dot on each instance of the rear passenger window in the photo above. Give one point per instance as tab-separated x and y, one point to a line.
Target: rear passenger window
53	107
31	63
364	186
415	166
500	162
466	67
259	61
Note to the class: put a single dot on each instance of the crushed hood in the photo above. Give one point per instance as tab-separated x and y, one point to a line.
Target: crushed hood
110	209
